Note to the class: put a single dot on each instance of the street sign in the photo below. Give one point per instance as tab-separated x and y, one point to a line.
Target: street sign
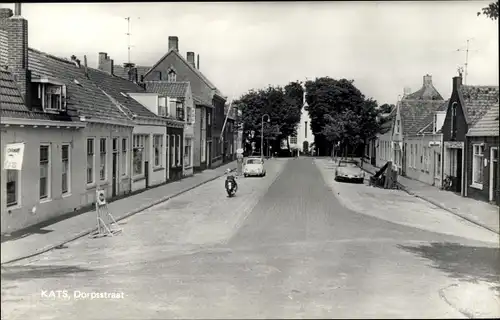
101	197
14	154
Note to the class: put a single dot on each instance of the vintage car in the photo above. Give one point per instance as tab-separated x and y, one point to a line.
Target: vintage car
349	171
254	166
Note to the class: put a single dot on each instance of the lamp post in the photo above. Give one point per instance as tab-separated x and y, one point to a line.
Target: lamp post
262	134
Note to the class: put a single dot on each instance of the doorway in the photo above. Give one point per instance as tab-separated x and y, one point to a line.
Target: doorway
493	172
209	154
114	187
458	185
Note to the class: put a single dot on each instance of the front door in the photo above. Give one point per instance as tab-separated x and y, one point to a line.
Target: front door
114	174
209	154
403	161
459	170
493	172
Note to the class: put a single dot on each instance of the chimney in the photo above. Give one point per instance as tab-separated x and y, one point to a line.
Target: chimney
85	66
173	43
190	59
17	31
198	61
406	91
457	83
76	61
427	80
105	63
132	74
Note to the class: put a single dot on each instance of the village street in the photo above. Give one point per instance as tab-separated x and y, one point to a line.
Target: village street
294	244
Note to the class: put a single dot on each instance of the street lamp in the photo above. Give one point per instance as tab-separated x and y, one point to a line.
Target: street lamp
262	134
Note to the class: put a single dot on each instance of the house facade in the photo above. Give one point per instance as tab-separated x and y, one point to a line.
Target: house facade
173	67
230	135
423	149
149	136
63	120
467	105
482	144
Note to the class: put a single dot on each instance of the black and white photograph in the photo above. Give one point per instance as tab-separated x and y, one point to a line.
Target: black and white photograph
250	160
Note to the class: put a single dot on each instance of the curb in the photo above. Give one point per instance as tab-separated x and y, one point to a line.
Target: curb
127	215
441	206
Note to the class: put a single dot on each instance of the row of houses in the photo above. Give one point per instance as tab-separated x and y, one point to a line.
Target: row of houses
432	140
119	128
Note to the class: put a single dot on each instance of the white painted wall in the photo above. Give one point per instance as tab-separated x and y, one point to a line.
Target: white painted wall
158	174
149	100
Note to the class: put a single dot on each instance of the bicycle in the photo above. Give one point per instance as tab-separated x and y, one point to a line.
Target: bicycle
447	183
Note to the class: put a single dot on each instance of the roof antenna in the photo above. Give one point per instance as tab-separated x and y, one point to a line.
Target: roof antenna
128	37
466	59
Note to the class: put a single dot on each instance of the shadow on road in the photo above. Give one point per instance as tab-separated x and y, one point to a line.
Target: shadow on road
471	264
39	272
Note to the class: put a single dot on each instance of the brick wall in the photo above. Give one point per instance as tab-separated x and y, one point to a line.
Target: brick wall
475	193
461	124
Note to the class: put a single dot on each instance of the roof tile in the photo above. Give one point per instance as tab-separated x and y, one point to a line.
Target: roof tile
478	100
85	98
169	89
487	125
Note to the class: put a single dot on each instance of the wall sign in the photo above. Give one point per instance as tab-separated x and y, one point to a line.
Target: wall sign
14	154
454	144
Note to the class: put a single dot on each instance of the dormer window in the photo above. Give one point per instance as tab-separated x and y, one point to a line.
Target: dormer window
51	95
172	76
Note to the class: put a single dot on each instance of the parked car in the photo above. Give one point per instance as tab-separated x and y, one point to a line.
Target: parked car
254	166
349	171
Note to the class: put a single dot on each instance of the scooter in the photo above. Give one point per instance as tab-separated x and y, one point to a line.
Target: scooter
230	184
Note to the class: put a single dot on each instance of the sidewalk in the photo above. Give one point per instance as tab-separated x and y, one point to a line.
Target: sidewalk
478	212
73	228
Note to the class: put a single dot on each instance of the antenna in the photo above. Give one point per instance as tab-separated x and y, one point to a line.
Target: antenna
128	37
466	59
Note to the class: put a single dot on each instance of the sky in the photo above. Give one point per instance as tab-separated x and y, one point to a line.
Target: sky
382	46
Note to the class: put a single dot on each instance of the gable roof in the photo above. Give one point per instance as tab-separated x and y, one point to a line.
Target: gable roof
427	92
427	124
477	100
12	103
195	70
169	89
117	88
388	119
84	97
121	72
487	125
414	113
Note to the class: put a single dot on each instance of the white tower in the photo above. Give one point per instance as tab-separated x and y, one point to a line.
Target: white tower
304	132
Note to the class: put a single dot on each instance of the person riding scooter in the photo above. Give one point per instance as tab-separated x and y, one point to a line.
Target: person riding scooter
230	184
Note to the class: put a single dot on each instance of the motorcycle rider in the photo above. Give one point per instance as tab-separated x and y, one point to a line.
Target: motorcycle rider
230	178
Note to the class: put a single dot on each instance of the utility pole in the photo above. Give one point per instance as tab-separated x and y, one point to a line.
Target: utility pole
466	60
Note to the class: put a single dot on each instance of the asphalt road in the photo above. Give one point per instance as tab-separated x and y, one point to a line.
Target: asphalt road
286	246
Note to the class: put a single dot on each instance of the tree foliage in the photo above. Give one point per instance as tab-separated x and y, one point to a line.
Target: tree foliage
283	106
491	11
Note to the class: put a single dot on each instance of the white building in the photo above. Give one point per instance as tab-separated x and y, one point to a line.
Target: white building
304	132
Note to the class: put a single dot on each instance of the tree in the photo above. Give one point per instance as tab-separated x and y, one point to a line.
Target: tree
386	108
491	11
283	105
327	96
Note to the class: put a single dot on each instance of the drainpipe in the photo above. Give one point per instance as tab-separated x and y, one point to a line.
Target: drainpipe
464	170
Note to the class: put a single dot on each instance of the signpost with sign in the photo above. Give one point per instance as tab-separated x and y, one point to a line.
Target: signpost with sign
14	154
105	220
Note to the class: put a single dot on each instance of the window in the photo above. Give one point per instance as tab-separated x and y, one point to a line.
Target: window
434	130
66	170
209	118
171	108
293	140
178	151
179	112
12	187
90	161
172	76
187	153
158	149
44	172
52	96
124	156
411	156
437	156
189	117
102	158
305	130
115	145
162	107
477	164
138	149
398	122
167	148
172	151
